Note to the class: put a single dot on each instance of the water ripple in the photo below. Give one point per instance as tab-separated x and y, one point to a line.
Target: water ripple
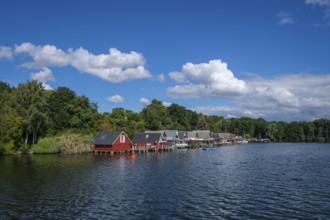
273	181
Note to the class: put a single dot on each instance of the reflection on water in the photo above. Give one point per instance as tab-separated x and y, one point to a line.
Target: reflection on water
251	181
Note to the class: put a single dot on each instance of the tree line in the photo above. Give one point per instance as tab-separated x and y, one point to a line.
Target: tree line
29	112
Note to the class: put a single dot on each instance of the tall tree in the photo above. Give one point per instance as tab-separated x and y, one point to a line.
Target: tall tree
179	116
272	131
155	115
32	108
58	102
201	124
83	113
10	122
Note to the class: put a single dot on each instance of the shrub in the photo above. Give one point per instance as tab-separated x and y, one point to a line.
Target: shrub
7	148
47	145
74	143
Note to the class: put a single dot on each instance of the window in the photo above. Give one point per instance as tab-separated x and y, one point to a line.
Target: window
122	138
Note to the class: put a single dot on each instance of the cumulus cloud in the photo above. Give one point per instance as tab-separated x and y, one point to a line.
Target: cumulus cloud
284	97
115	98
43	76
115	66
284	18
43	56
144	101
287	97
6	53
206	80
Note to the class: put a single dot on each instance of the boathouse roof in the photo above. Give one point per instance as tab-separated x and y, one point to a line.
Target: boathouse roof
106	137
199	134
146	137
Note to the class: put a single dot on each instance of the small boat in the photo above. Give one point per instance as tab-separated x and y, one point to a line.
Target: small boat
208	148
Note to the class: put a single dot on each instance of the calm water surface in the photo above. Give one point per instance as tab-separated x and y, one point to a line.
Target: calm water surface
254	181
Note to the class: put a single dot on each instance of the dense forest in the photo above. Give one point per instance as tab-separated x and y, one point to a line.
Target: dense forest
32	118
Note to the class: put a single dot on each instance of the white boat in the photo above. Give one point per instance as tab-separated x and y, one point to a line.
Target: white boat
181	145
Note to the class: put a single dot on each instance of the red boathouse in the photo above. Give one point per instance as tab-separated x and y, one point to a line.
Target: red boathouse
116	141
149	141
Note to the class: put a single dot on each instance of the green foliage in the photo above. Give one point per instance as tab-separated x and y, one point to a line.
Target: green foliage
294	132
30	104
155	115
180	117
74	143
83	113
5	87
201	123
66	143
272	131
7	148
65	121
58	102
47	145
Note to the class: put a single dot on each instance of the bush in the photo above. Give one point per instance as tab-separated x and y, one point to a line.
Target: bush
47	145
73	143
7	148
321	139
66	143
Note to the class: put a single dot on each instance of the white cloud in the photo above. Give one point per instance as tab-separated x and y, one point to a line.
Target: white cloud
43	76
284	18
6	53
43	56
115	98
287	97
144	101
206	80
113	67
178	77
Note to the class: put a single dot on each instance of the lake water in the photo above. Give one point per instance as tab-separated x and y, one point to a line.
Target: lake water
254	181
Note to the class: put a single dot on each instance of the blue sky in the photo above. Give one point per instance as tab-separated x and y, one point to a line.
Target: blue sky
233	58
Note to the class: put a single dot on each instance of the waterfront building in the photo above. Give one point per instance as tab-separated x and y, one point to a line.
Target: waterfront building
149	141
116	141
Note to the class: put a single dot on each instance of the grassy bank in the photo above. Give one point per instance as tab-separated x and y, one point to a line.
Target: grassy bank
67	143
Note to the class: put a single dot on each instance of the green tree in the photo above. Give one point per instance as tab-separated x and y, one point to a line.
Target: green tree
58	102
215	123
83	113
5	87
201	123
280	135
309	129
155	115
272	131
31	106
260	128
294	132
179	116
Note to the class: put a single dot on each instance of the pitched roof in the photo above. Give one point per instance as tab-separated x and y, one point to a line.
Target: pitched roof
182	134
203	134
106	137
200	134
146	137
226	135
169	134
